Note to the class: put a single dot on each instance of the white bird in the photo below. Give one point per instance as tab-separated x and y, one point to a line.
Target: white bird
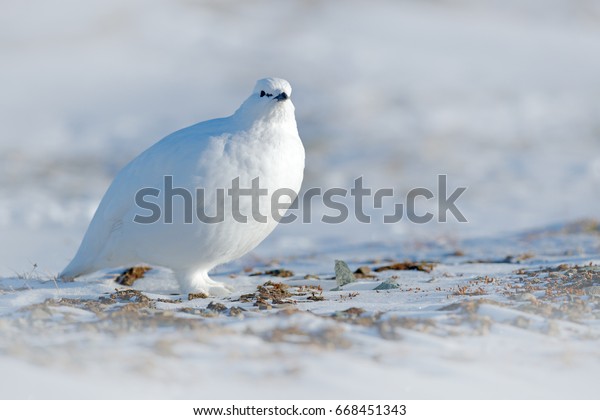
260	140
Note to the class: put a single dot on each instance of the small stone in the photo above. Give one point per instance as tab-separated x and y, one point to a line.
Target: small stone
216	307
264	306
247	297
343	275
363	269
387	285
236	311
363	272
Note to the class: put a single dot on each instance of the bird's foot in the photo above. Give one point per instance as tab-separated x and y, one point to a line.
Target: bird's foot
220	291
201	283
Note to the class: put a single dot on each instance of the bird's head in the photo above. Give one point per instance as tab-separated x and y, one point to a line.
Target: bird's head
272	89
270	99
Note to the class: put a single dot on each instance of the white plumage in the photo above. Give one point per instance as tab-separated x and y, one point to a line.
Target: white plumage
260	140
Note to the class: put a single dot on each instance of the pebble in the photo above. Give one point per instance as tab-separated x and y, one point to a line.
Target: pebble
387	285
343	275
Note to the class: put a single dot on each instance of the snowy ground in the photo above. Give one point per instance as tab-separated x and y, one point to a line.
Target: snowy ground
499	95
520	327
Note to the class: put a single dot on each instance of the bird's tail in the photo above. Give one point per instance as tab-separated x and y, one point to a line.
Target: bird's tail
74	270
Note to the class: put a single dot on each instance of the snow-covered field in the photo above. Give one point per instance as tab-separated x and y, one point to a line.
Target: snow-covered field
502	96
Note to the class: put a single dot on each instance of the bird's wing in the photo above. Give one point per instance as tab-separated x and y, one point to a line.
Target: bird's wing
99	248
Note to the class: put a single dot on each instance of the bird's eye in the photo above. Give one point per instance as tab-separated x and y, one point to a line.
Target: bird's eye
262	93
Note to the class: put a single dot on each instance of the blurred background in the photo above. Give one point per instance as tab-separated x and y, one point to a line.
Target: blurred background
501	95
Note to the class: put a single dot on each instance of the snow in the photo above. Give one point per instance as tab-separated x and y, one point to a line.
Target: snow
500	96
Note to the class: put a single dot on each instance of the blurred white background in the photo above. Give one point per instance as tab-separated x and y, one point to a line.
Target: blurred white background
503	96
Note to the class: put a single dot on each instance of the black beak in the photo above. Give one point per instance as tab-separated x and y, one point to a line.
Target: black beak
282	96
